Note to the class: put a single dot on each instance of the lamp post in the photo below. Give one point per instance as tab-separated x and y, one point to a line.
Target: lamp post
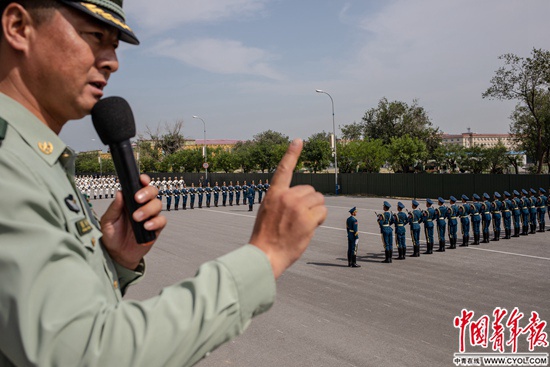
334	137
204	148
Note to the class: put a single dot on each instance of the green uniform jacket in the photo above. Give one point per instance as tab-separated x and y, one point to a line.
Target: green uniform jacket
60	292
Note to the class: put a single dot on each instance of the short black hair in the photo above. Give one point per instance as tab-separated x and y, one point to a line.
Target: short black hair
39	9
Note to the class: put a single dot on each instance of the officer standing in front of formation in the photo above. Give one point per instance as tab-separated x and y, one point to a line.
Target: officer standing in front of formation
266	186
169	193
245	192
192	195
400	232
464	214
507	208
238	190
385	220
452	213
260	188
442	214
184	194
353	238
224	194
429	216
476	215
177	193
496	207
542	202
216	190
250	196
533	211
200	193
517	212
415	218
525	212
208	190
231	191
486	210
253	186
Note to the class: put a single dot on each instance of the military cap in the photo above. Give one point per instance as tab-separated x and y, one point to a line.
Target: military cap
486	196
429	201
533	191
352	210
452	199
476	196
497	195
507	194
516	192
415	203
387	205
542	190
464	197
400	205
441	200
524	191
109	12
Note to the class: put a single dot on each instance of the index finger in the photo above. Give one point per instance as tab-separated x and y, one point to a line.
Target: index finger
283	174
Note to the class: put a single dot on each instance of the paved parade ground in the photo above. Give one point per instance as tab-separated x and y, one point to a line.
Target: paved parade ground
327	314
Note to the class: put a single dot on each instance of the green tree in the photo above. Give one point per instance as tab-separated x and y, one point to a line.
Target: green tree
87	162
244	155
372	154
316	154
267	149
224	160
526	80
476	159
352	131
496	157
406	152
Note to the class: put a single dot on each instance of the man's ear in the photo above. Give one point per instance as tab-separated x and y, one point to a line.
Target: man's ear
17	25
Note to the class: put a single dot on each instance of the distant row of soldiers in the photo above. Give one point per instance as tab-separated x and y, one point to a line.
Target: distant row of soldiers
228	194
97	187
522	211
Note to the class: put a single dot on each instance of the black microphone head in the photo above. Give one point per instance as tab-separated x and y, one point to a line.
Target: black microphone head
113	120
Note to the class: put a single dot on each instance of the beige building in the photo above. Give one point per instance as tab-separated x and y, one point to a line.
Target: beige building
470	139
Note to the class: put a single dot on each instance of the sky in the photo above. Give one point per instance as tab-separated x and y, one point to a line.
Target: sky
247	66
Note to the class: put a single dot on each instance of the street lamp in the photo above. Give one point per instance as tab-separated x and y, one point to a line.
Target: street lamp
334	143
204	148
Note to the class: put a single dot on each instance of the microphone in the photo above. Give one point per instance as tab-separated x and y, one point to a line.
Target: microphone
114	122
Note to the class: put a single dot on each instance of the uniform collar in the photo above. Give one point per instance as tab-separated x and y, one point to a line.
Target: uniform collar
38	136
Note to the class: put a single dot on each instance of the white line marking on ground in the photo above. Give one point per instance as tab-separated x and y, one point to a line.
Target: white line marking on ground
509	253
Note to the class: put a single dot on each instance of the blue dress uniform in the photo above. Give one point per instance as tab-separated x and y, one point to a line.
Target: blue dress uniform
496	207
507	208
385	220
260	188
452	215
254	188
216	194
475	216
401	221
169	193
353	238
208	191
517	204
177	193
200	193
429	216
415	218
266	186
192	195
184	194
533	211
486	216
160	194
231	191
250	197
238	190
441	213
224	194
464	214
526	204
245	192
542	202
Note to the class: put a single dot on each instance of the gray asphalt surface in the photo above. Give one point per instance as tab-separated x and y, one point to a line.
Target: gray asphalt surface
327	314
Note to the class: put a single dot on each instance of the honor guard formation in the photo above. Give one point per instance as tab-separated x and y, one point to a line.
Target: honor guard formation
520	211
176	190
97	187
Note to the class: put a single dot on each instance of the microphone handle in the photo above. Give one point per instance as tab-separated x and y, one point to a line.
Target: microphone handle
128	175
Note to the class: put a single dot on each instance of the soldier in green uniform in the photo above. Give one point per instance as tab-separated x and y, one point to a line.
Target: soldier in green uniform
63	305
